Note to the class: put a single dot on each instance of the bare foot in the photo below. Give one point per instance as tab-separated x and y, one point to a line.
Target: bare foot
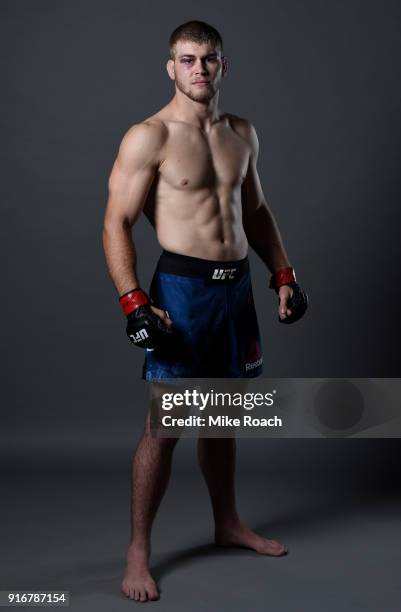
240	535
138	583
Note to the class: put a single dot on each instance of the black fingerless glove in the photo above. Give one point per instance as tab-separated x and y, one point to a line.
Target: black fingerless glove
144	328
298	302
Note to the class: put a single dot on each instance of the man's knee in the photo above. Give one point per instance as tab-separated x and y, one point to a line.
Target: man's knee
162	443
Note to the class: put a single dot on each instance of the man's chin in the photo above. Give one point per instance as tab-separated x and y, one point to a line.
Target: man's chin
201	97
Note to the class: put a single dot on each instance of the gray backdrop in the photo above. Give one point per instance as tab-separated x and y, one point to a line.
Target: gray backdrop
320	81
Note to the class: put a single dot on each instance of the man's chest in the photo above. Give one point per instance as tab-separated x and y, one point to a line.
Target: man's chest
195	160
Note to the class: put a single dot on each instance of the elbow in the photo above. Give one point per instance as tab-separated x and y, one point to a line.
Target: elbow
113	224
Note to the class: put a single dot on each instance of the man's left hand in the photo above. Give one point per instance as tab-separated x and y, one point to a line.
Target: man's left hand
293	302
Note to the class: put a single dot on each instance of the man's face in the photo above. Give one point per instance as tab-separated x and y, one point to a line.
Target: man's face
197	70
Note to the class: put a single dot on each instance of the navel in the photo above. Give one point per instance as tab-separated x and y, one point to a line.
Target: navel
184	182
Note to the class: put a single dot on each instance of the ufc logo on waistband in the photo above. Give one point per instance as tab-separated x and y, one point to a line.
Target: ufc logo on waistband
223	274
142	334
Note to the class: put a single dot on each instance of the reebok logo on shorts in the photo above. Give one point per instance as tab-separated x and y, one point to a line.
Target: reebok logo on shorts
223	273
255	364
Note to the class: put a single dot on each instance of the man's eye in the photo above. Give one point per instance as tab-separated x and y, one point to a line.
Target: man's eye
188	60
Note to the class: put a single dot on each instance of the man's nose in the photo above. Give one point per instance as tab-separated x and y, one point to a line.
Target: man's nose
201	67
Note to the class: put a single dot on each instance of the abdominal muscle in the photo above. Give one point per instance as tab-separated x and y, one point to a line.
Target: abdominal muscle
199	224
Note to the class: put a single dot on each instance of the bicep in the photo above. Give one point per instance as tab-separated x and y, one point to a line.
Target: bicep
128	192
252	193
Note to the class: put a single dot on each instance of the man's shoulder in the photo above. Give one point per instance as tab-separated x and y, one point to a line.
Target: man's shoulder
241	125
150	130
142	142
243	128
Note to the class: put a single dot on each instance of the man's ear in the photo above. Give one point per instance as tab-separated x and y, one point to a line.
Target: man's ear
224	61
170	69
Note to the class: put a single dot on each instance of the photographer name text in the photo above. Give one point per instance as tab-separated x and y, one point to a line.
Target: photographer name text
221	421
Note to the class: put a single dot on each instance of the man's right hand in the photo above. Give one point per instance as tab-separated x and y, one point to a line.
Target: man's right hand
147	326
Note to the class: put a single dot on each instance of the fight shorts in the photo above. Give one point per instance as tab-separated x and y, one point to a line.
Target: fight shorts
215	328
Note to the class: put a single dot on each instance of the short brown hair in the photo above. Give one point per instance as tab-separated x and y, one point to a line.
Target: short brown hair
195	31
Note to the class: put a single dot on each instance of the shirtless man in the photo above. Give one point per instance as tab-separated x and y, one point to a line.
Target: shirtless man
191	169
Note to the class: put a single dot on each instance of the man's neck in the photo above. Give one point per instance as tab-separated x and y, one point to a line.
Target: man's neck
203	115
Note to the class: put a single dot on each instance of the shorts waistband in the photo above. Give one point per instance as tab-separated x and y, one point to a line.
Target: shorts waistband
185	265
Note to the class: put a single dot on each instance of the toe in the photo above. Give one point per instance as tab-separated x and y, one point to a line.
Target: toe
153	594
143	596
275	548
277	545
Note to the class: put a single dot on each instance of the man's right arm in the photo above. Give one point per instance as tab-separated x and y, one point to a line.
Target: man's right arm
132	175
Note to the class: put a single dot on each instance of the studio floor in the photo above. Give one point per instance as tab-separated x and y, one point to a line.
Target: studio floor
67	527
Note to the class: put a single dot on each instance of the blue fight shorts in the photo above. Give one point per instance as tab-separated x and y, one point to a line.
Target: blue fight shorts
215	328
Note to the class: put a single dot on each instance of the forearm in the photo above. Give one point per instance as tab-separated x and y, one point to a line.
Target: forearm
264	237
120	253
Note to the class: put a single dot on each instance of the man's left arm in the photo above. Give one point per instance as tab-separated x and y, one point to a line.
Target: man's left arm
263	233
